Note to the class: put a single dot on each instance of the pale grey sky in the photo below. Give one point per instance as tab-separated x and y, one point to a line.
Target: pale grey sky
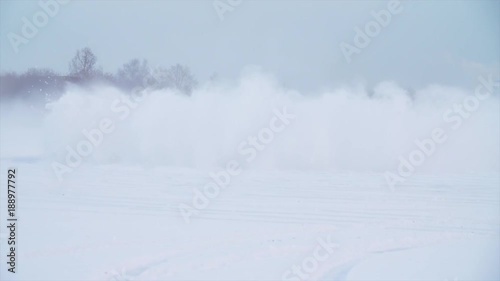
448	42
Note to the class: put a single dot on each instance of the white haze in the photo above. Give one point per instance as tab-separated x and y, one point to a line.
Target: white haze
338	130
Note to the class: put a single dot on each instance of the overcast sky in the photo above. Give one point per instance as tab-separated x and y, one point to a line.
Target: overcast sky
298	41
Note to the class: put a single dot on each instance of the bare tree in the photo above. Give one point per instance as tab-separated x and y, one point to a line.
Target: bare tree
36	86
178	77
133	73
83	64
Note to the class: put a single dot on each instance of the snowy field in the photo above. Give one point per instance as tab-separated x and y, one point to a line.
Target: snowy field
122	223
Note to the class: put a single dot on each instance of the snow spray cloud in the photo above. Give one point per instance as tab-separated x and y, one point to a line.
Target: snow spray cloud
346	129
121	106
248	149
455	117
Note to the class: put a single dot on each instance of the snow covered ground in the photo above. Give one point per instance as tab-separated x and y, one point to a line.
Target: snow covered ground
119	222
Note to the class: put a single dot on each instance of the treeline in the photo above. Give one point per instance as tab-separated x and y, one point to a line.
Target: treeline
41	85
